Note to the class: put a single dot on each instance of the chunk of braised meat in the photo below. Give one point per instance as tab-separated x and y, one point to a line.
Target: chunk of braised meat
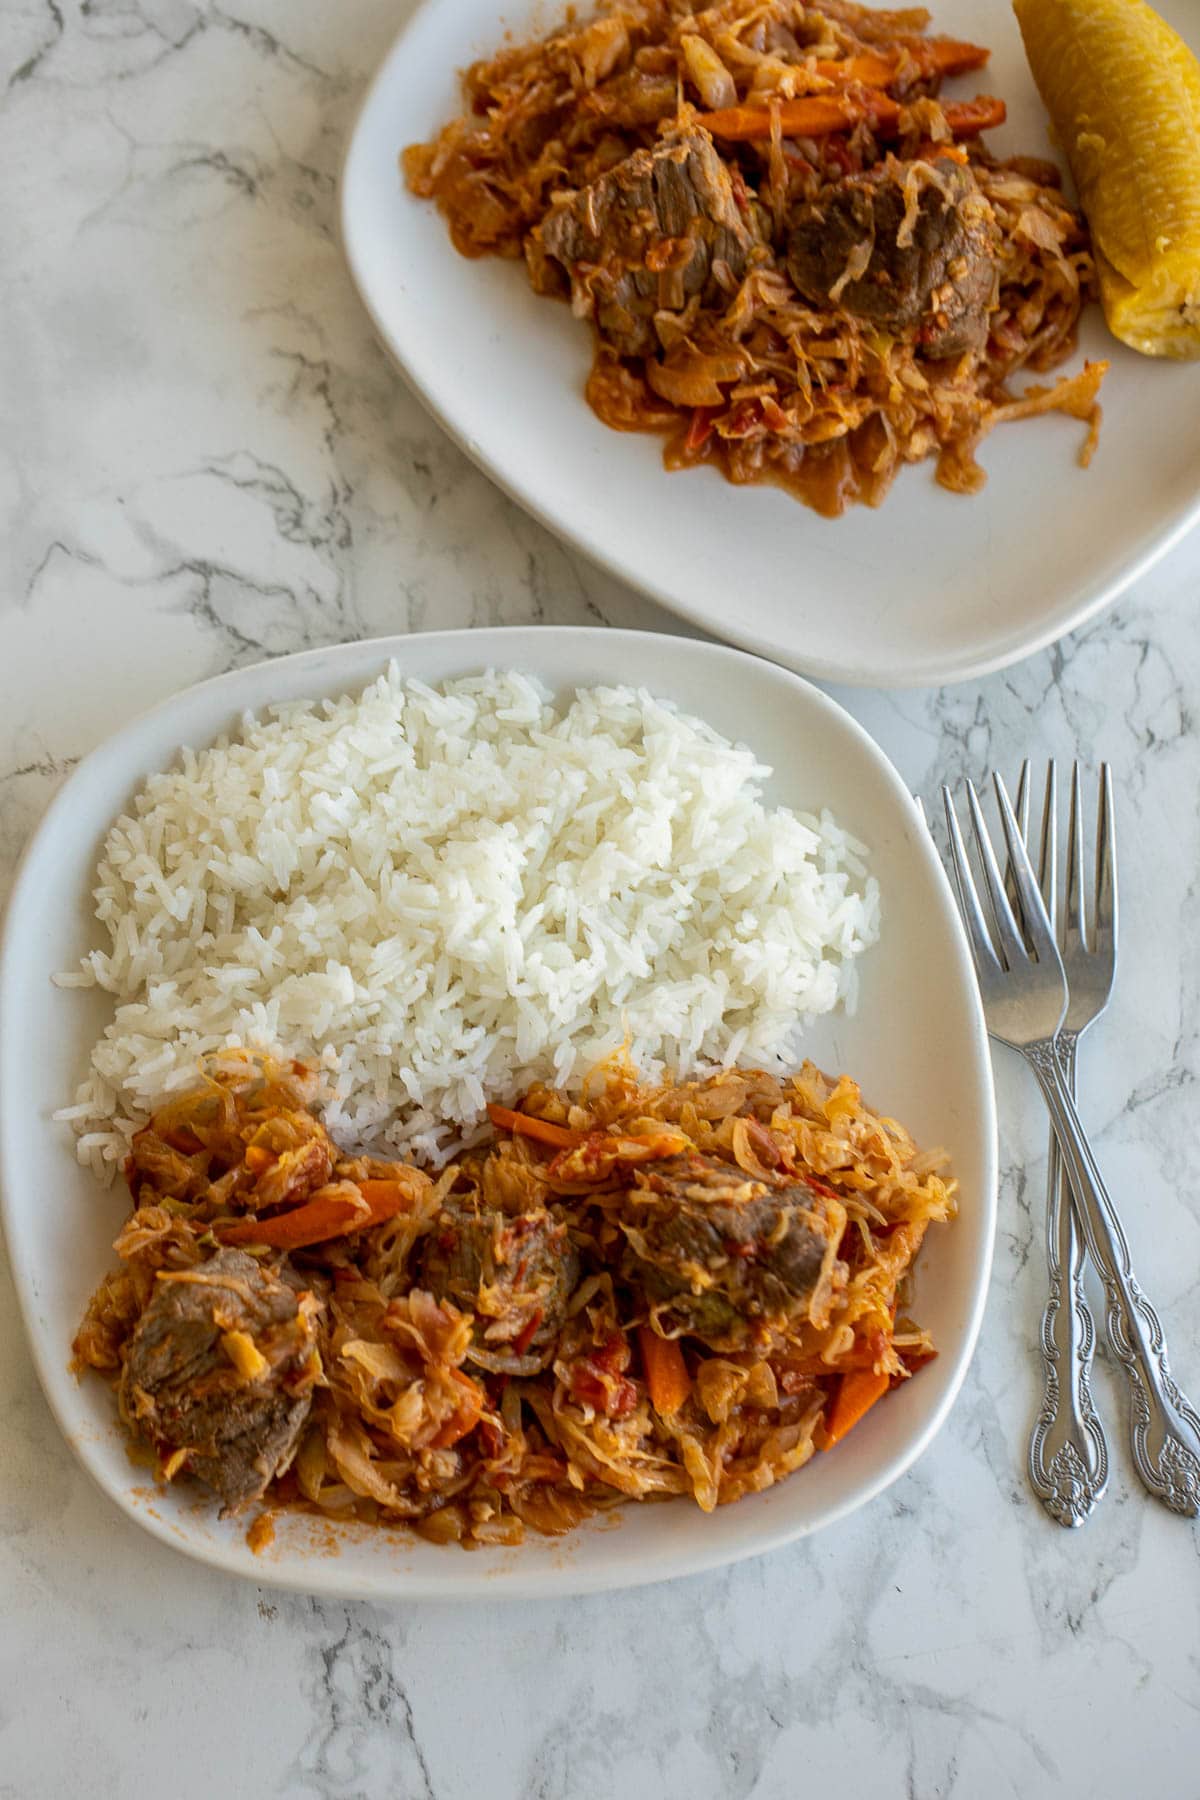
663	225
728	1259
514	1271
933	276
221	1367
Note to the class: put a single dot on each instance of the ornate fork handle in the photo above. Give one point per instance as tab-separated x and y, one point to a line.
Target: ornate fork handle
1068	1452
1164	1427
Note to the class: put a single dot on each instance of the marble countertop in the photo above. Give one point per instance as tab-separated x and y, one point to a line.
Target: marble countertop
205	460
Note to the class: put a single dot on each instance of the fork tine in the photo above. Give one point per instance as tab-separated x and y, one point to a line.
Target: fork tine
1048	858
1037	924
1075	913
986	960
1105	928
1021	805
1012	947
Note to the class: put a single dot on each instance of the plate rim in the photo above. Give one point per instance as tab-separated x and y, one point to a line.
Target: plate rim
322	1575
1092	598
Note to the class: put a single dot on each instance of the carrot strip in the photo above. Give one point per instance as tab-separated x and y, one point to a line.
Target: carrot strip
667	1378
967	118
465	1416
324	1216
820	115
385	1199
816	115
856	1395
926	57
525	1125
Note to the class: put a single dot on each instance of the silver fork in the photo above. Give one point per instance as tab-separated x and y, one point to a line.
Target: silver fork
1023	987
1068	1452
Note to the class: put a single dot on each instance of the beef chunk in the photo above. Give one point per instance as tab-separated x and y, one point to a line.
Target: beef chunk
514	1272
937	285
726	1257
645	237
187	1385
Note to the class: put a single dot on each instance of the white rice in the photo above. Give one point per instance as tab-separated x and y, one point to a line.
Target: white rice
446	894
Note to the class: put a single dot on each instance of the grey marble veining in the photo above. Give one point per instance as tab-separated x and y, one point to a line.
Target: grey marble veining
205	459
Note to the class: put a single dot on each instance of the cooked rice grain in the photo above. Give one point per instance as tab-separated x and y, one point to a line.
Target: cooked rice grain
446	894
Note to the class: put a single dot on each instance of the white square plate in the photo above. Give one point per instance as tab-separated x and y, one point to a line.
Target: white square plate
932	587
917	1044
